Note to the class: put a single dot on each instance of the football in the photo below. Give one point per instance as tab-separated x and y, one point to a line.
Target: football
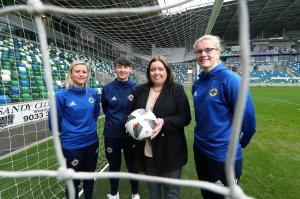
140	124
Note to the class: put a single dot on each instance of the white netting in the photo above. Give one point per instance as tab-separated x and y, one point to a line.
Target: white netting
97	32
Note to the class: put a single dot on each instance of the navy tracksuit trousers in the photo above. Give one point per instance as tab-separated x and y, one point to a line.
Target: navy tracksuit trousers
83	159
113	151
213	171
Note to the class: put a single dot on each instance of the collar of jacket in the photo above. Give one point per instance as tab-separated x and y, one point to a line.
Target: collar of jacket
212	73
148	86
123	83
76	90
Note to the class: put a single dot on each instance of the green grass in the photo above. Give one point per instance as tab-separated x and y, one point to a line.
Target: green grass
272	160
270	169
38	157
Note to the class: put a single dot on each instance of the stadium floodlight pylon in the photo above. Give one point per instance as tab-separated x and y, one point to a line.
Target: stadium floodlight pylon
136	48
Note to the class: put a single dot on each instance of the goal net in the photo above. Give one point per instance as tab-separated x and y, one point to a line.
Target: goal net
97	32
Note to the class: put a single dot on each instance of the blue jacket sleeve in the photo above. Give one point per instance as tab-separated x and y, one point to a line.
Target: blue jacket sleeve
97	107
249	122
59	110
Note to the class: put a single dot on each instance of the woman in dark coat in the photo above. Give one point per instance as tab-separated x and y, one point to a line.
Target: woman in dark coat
165	153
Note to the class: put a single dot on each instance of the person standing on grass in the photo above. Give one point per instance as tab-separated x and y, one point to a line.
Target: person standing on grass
215	97
116	100
165	153
78	109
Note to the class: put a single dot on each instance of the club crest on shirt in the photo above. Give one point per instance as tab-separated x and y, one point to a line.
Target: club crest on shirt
91	100
75	162
213	92
130	97
109	150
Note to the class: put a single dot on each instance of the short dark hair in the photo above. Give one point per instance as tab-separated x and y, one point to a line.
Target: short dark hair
162	59
123	61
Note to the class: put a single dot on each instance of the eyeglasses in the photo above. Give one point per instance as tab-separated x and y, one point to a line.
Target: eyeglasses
206	50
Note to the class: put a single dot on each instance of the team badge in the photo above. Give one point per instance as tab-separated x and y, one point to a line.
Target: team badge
213	92
75	162
91	100
130	97
109	150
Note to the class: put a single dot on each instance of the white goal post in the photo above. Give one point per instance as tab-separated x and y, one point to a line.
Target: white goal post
147	14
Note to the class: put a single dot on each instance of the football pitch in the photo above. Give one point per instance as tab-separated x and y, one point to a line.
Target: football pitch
270	168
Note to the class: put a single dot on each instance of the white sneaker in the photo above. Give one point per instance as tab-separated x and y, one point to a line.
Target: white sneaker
135	196
113	196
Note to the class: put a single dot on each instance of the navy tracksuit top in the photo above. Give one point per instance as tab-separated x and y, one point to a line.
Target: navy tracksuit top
116	100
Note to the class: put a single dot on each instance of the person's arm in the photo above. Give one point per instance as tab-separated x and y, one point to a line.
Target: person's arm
97	106
59	111
249	123
183	116
135	99
103	101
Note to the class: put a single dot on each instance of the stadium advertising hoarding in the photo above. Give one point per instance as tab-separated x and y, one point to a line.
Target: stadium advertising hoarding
16	114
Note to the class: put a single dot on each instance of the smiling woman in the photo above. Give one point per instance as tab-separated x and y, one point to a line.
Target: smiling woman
215	97
116	102
207	50
165	153
78	109
77	75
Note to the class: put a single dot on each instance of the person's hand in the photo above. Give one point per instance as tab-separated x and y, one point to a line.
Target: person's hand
126	129
159	124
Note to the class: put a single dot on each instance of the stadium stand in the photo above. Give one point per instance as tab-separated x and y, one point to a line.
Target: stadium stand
22	74
294	68
99	40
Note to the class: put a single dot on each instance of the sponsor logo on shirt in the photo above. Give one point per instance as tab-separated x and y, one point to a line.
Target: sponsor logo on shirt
113	98
130	97
72	104
219	182
213	92
195	94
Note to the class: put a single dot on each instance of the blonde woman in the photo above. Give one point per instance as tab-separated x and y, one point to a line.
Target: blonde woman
78	108
215	97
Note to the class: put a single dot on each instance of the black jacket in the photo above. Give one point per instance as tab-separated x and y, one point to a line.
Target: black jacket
169	147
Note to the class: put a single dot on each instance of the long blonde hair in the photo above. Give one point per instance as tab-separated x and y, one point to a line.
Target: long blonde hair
69	82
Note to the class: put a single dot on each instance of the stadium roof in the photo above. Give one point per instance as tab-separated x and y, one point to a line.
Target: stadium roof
268	18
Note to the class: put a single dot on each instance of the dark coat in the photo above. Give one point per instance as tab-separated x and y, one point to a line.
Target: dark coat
169	146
